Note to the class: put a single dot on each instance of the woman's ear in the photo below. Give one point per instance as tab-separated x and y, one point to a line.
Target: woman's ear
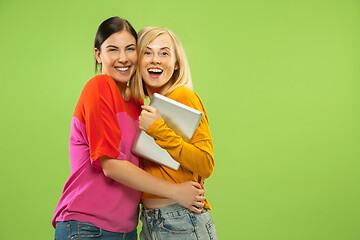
176	66
97	55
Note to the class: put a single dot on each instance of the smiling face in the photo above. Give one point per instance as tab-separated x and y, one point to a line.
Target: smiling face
158	64
118	56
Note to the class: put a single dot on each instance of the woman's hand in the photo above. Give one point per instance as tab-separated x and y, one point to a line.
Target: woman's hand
190	195
147	117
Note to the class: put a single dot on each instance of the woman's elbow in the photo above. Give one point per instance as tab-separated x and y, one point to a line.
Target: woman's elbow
107	172
107	168
206	174
206	171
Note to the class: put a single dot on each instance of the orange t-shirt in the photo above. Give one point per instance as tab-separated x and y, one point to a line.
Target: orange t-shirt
195	157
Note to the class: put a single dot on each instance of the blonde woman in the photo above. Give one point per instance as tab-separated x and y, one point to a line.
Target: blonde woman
163	69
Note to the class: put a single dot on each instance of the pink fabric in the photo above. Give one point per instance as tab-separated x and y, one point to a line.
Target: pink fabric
90	196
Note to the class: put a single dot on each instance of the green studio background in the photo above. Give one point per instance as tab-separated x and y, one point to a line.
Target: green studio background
279	80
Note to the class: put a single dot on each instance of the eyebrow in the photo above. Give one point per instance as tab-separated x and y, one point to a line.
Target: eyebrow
160	48
113	46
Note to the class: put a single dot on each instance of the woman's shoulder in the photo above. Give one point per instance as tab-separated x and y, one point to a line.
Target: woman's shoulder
99	80
99	85
182	92
186	96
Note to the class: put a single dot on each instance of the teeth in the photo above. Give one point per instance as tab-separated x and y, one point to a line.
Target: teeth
122	68
155	70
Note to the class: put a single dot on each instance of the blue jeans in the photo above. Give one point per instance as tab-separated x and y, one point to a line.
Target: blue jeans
79	230
176	222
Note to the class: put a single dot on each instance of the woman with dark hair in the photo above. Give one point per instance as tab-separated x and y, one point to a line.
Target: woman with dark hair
100	199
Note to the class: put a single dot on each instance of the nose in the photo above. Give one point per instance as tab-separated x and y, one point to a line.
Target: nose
122	57
155	59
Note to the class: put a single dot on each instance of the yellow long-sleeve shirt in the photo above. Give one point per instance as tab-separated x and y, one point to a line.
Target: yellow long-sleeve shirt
195	157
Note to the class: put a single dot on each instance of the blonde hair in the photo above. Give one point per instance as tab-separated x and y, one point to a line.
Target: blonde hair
181	76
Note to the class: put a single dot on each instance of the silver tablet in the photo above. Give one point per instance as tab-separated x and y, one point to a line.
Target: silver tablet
183	120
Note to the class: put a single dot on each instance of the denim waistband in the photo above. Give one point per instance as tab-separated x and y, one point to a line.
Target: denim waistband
174	210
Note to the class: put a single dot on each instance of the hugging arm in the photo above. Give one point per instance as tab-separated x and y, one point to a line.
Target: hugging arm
187	194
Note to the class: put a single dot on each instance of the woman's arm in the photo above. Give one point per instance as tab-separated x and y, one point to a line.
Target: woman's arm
187	194
195	156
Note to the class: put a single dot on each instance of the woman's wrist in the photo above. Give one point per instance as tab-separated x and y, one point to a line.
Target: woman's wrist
170	191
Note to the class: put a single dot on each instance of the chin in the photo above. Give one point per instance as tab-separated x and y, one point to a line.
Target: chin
120	80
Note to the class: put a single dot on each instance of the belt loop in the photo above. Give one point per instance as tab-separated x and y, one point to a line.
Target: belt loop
156	213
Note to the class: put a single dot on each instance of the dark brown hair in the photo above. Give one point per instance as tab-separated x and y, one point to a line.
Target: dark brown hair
107	28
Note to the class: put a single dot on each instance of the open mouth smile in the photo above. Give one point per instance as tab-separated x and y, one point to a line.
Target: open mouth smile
155	72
